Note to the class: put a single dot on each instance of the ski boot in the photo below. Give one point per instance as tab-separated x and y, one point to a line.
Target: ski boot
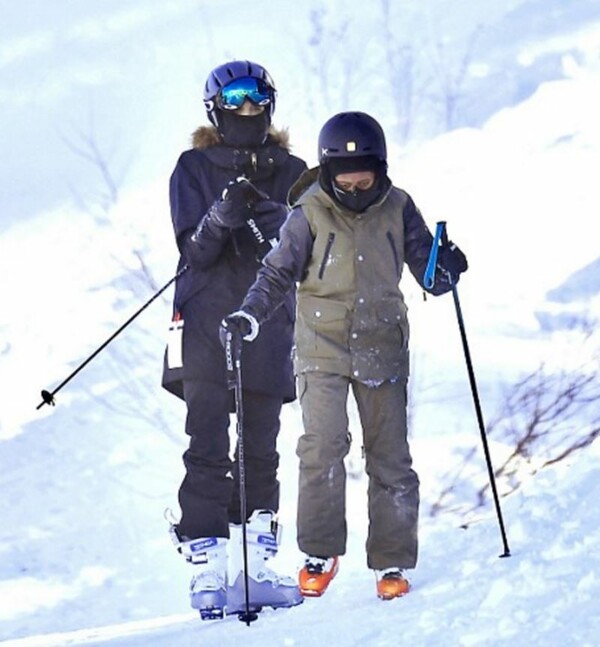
265	587
316	575
208	588
391	583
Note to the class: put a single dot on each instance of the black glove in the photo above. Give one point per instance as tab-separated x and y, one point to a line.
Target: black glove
241	323
269	216
236	204
452	260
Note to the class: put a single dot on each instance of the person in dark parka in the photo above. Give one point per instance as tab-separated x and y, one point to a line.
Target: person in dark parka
228	200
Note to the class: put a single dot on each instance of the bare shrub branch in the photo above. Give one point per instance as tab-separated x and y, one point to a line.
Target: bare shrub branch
545	417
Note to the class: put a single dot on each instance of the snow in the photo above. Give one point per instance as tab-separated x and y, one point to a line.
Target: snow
463	593
85	557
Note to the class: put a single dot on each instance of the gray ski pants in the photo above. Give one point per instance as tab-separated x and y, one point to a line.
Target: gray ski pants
393	489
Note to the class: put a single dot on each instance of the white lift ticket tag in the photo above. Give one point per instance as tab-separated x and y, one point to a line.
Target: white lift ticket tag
175	343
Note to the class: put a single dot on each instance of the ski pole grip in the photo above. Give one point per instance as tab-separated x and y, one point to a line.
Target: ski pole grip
429	276
233	353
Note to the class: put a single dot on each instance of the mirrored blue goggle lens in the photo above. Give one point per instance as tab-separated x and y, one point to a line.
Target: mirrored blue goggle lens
233	95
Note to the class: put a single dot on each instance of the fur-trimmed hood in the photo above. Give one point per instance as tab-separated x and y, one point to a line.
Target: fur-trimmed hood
208	136
258	162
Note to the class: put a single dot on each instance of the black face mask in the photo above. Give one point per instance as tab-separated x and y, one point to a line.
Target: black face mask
357	200
243	131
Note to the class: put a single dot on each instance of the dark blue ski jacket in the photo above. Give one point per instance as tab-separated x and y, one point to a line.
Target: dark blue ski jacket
222	268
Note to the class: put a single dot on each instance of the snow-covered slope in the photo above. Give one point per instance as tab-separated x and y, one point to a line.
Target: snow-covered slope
463	594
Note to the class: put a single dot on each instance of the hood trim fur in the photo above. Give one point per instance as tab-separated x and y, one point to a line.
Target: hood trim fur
208	136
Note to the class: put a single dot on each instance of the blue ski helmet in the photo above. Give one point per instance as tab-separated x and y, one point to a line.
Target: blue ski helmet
349	135
228	72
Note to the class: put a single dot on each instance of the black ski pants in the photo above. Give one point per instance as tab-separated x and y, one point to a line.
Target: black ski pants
209	494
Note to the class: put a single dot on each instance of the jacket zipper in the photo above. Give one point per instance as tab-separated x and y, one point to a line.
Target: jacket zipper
394	252
330	240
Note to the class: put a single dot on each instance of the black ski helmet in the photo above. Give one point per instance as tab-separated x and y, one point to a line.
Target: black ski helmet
351	134
227	73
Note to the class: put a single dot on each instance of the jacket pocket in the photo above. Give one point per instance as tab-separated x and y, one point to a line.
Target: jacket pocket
393	312
325	258
394	252
322	327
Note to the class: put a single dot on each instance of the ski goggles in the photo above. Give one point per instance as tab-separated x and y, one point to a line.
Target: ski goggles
233	95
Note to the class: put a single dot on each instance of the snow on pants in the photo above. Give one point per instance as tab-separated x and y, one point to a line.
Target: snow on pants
393	490
209	494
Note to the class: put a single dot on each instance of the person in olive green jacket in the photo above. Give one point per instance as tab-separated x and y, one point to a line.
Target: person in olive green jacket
345	244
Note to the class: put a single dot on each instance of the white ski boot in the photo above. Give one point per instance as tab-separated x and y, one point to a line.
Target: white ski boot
265	587
208	588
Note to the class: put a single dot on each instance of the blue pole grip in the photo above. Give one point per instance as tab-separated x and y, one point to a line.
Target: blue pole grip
429	276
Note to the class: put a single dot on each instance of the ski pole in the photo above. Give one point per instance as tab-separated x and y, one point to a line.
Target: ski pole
429	280
233	358
48	396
